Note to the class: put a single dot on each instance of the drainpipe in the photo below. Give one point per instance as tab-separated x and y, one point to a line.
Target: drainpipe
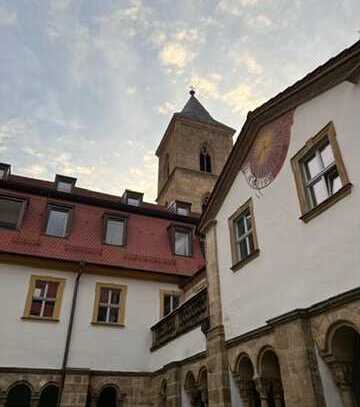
69	331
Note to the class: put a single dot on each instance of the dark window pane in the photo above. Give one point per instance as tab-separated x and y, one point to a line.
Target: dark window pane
114	315
57	223
10	213
35	308
175	301
333	181
251	243
40	286
64	186
243	250
102	314
208	163
114	232
104	295
52	289
240	226
49	309
248	220
167	304
115	297
182	243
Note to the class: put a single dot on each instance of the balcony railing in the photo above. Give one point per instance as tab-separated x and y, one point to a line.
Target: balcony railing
187	316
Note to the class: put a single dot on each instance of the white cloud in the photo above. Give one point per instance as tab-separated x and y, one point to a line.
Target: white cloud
207	85
241	99
167	108
176	55
259	21
247	60
235	7
35	171
7	18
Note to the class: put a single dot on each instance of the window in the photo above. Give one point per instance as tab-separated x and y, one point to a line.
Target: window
64	184
181	240
4	170
11	212
115	231
58	221
170	300
44	298
205	159
109	307
180	208
320	174
133	198
243	238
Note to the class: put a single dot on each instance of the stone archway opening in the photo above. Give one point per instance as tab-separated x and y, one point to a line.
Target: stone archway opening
108	397
49	396
244	378
269	384
344	361
197	389
19	396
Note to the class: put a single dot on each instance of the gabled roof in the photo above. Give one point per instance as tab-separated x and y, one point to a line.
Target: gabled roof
343	67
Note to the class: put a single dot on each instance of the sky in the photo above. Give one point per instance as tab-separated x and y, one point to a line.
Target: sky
88	87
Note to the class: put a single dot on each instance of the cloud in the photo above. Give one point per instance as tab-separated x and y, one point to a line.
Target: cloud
242	99
176	55
166	108
260	21
247	60
235	7
207	85
7	18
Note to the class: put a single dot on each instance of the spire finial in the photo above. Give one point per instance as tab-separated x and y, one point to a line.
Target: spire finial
192	90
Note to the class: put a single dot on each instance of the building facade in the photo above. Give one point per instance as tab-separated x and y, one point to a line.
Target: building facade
112	301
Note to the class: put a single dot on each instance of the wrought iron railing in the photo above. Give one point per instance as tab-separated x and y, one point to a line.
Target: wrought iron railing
189	315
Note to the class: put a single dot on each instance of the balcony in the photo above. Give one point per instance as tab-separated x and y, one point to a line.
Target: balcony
187	316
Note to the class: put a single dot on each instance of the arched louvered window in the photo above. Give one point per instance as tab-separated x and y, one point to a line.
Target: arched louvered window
205	159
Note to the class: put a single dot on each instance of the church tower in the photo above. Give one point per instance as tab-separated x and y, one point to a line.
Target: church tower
191	155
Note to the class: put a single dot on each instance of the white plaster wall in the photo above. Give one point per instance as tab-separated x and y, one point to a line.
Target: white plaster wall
331	391
299	264
113	348
181	348
25	343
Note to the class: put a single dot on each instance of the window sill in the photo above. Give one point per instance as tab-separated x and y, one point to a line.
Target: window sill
340	194
42	319
108	324
241	263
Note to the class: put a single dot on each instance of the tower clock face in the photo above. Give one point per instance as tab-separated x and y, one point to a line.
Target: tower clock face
268	152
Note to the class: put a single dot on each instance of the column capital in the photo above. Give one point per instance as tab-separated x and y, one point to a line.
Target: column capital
244	386
263	387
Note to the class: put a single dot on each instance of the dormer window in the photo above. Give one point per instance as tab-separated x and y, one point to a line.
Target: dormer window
64	184
180	208
133	198
4	170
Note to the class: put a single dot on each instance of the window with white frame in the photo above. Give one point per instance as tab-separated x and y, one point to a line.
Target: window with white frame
183	242
58	221
109	304
170	301
115	231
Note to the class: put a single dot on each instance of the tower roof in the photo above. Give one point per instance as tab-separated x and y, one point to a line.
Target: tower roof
194	110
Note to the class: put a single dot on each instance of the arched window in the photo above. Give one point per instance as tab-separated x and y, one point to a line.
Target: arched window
205	159
49	396
19	396
108	397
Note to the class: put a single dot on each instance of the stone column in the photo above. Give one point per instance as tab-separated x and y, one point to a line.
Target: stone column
263	387
35	400
94	401
75	390
277	392
120	400
342	373
217	364
2	399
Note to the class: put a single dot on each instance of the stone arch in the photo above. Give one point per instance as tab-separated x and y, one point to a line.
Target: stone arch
244	378
109	396
163	391
269	382
205	160
193	389
343	357
19	394
49	395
